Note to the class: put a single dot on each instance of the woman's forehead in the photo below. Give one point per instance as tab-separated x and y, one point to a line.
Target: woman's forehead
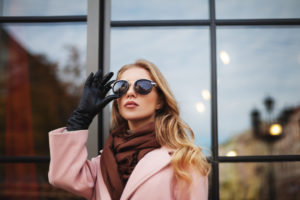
135	73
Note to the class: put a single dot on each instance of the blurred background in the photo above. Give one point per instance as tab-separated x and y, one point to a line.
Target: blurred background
233	66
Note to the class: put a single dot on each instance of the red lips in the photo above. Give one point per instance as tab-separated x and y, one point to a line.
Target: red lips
130	104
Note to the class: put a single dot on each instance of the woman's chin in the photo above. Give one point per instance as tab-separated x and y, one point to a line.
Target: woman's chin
139	120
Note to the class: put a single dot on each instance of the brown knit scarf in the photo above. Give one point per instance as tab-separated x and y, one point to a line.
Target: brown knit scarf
122	151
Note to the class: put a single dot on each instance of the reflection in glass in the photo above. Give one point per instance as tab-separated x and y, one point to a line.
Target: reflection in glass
258	102
39	84
206	95
231	153
42	8
31	182
159	10
248	9
225	58
263	181
183	57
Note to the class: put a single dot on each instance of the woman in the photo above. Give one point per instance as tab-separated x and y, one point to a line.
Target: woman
149	153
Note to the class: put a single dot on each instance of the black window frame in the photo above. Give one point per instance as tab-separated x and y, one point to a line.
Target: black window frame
213	23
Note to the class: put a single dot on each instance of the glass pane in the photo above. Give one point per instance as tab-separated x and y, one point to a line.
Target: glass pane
183	57
258	84
42	8
232	9
156	9
28	181
41	73
263	181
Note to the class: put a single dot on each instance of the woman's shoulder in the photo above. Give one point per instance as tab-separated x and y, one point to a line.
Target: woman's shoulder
167	149
163	150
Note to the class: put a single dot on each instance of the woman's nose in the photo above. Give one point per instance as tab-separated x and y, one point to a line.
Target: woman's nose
131	91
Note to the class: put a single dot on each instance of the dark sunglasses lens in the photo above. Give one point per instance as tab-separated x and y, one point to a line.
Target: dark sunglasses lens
143	86
120	87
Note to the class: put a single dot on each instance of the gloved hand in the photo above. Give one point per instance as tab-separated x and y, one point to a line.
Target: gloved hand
92	101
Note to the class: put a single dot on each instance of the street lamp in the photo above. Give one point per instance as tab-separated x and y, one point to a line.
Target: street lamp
275	129
268	130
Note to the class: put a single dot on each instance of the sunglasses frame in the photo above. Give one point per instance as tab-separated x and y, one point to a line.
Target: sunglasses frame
152	83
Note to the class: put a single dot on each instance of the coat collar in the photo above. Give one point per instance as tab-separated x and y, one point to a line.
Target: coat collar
150	164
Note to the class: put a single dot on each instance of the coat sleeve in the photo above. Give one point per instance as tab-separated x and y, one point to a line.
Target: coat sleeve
69	168
198	190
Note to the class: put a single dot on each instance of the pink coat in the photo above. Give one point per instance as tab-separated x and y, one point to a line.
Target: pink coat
151	179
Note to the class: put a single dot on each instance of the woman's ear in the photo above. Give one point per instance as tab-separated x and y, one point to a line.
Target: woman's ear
159	104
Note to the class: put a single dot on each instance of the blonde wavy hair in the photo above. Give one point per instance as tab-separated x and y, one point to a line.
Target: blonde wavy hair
171	131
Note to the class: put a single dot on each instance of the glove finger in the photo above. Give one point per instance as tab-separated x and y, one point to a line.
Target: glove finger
98	75
106	78
109	99
97	78
89	80
107	86
110	83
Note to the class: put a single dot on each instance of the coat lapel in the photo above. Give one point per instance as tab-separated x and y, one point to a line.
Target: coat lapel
150	164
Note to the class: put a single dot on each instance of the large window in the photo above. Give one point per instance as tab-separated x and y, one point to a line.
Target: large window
43	52
234	67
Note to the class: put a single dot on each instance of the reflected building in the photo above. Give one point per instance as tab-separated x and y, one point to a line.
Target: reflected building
263	180
33	100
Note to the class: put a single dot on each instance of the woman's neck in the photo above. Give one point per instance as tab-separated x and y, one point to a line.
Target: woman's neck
135	124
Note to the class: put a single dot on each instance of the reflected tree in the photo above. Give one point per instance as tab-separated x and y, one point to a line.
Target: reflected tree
34	100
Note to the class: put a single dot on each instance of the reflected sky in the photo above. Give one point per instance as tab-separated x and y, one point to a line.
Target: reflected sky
232	9
51	39
42	8
264	62
157	9
198	9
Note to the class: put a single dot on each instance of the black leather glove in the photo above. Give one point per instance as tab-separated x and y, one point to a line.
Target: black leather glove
92	101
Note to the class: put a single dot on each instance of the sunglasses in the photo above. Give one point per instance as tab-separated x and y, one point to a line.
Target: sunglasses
141	86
